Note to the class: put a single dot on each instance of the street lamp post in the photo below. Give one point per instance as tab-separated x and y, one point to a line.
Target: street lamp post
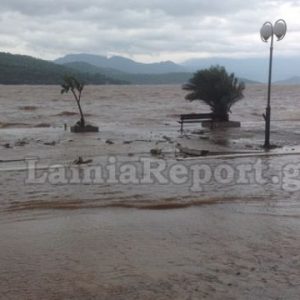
267	31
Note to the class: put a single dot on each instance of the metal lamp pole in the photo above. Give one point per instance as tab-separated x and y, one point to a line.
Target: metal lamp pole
267	31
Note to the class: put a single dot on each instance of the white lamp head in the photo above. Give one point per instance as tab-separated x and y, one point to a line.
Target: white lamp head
266	31
280	29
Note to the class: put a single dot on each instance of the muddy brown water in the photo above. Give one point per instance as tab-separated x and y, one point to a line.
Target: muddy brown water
231	235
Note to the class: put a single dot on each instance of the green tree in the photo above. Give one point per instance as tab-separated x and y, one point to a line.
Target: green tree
76	87
216	88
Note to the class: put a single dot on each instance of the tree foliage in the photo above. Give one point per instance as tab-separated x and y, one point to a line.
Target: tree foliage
216	88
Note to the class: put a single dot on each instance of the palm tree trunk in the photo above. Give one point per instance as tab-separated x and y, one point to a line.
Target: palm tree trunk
221	117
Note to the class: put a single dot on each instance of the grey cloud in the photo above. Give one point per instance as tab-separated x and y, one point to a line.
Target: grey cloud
169	7
48	7
154	28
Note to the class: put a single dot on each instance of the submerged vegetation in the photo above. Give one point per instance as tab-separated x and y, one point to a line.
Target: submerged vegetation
216	88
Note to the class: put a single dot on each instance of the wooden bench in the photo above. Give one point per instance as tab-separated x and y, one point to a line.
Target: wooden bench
194	118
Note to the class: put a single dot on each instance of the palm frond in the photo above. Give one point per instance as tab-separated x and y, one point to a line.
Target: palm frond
216	88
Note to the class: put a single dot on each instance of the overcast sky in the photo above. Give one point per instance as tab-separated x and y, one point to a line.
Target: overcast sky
145	30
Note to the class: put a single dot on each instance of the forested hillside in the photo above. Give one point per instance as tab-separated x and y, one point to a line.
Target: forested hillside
20	69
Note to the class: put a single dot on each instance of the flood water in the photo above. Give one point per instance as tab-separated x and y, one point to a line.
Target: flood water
207	227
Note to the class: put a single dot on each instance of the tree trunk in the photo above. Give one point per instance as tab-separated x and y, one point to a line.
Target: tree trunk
82	121
221	117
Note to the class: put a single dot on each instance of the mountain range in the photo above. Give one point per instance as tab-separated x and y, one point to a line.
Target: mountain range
97	69
21	69
253	69
122	64
291	80
133	78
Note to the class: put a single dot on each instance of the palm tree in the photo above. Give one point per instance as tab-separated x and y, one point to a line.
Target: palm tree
76	87
216	88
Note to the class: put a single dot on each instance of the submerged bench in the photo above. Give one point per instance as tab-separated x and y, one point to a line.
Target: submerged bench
194	118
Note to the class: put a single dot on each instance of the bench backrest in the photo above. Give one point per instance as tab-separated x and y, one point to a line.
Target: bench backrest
196	116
